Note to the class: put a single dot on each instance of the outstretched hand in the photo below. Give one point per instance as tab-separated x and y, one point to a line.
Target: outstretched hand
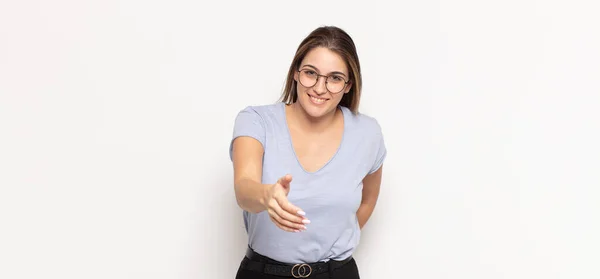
284	214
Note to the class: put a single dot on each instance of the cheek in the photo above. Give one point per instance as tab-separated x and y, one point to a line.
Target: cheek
301	89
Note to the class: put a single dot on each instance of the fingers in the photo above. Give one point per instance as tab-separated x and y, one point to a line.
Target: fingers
290	211
284	224
284	219
284	214
281	226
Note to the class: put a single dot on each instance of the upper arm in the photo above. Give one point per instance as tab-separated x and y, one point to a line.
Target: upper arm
372	181
247	145
371	186
378	149
247	154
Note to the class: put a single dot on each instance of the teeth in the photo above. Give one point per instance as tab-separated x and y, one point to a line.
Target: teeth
317	100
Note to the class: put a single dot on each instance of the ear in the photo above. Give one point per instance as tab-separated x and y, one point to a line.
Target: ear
348	87
296	76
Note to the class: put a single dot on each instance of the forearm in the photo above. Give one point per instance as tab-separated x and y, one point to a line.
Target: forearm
250	195
364	213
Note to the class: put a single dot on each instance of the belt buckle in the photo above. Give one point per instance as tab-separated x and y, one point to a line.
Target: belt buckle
301	270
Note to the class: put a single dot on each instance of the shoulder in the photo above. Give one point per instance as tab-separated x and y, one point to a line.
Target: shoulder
365	131
263	112
255	121
363	123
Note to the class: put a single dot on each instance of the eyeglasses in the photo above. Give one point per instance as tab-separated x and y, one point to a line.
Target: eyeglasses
334	83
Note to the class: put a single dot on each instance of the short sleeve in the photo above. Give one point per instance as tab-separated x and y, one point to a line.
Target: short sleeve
380	148
248	123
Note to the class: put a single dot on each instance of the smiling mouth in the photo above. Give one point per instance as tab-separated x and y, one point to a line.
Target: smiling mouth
316	100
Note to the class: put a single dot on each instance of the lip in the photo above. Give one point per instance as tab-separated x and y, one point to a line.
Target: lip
311	100
309	95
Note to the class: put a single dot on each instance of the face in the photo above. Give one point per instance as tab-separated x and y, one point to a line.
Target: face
323	97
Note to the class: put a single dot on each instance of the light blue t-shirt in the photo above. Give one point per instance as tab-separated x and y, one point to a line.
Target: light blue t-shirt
330	196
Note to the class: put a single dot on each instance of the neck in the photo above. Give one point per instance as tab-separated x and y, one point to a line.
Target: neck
308	123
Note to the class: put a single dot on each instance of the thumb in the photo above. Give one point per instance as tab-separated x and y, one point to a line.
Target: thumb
285	181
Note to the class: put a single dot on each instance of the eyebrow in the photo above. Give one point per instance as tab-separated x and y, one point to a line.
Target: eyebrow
334	72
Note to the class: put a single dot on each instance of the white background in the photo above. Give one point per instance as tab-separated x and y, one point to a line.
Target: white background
116	116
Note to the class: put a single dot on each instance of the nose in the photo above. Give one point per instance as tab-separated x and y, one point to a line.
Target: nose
321	87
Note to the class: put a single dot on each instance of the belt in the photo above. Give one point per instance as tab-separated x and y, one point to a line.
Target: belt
257	262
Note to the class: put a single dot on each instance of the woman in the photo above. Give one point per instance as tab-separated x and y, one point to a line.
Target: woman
307	169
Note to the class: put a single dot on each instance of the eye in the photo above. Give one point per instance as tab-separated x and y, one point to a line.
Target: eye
337	79
310	72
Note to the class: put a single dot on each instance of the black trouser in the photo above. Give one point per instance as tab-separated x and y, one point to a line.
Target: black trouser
256	266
